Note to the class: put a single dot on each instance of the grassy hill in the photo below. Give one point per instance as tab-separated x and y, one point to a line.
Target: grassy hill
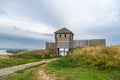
89	63
24	57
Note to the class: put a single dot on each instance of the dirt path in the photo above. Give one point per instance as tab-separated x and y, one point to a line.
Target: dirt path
9	70
42	74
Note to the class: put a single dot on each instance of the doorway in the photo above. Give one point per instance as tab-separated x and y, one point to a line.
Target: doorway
63	51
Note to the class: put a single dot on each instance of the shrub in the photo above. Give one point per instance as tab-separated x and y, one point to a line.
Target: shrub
64	62
99	56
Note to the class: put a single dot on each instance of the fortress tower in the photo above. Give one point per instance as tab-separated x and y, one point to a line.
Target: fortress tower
63	41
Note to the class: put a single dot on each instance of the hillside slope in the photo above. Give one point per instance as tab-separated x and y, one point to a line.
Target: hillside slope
24	57
89	63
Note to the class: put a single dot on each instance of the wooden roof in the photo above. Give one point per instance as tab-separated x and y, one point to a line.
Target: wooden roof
63	30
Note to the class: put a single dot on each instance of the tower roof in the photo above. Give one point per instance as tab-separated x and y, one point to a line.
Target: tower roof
63	30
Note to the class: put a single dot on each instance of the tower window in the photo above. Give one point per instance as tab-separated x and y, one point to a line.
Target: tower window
65	35
60	35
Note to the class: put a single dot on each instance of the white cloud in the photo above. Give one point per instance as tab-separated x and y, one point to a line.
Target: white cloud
76	12
21	33
28	25
86	18
25	28
18	13
82	15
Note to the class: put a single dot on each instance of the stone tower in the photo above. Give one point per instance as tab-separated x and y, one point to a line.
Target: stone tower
63	41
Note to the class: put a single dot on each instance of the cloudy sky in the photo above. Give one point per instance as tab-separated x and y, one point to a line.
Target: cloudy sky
30	23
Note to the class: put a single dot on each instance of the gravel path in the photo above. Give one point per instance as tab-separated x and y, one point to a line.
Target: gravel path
9	70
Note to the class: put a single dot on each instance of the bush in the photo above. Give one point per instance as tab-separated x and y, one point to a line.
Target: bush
101	57
64	62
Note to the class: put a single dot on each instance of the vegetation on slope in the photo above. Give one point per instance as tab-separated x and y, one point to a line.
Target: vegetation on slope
89	63
24	57
100	57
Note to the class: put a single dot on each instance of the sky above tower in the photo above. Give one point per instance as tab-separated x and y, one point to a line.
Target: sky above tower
31	23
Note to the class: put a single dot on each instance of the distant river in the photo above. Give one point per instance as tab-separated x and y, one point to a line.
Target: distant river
3	52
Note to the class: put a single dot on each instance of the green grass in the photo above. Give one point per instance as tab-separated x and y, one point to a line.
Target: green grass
24	57
26	74
100	57
83	72
90	63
